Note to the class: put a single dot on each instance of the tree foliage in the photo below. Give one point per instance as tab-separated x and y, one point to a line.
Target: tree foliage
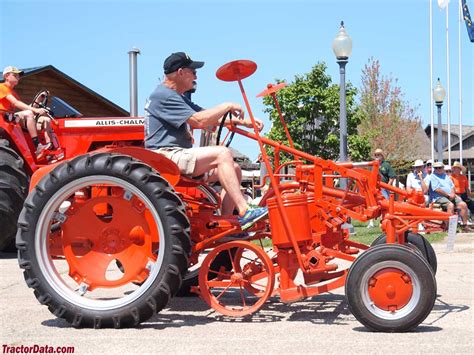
386	119
310	105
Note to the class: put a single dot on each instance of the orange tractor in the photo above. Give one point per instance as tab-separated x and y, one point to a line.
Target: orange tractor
106	238
73	135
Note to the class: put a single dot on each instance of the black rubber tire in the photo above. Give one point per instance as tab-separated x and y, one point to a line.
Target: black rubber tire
13	189
421	244
167	205
191	278
386	256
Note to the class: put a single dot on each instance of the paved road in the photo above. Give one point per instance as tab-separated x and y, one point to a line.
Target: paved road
320	325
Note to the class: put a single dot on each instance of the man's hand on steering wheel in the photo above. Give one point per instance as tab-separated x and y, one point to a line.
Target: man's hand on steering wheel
237	111
39	111
248	123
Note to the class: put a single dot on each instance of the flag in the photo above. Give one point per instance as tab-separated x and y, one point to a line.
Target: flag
442	4
467	18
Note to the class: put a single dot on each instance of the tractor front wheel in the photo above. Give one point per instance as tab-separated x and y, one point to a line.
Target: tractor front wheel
390	288
103	241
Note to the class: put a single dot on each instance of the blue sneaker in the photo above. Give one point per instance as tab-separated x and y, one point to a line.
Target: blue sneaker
252	215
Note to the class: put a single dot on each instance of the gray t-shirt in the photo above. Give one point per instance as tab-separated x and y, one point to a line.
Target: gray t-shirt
166	113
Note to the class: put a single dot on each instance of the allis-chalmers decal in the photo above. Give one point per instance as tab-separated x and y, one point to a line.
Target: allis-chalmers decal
104	123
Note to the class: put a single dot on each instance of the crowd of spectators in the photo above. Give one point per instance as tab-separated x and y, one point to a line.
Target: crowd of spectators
443	186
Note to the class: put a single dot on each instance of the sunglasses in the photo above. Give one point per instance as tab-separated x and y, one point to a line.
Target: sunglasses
439	167
193	71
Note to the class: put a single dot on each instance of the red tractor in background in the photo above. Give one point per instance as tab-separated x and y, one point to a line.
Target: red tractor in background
105	238
75	136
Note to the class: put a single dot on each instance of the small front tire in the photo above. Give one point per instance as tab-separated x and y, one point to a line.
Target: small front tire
390	288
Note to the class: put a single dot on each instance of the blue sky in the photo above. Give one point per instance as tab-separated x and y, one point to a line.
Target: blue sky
89	41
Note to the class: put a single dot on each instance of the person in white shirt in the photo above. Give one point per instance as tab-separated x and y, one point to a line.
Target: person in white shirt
418	179
429	167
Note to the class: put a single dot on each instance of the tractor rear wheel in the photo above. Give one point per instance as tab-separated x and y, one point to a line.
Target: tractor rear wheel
13	189
420	243
390	288
104	241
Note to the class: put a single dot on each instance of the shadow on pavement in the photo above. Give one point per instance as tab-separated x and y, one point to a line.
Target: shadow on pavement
442	309
324	309
420	329
9	255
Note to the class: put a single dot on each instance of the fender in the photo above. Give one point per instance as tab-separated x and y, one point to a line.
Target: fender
163	165
15	134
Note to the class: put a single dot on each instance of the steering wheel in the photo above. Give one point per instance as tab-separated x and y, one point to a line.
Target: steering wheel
41	99
219	131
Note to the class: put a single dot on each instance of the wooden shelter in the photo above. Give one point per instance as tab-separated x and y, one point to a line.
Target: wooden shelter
83	99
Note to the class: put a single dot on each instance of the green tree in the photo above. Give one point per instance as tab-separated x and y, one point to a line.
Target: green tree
386	119
310	105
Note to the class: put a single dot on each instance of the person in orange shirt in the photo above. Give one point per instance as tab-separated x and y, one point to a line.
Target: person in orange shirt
461	184
10	101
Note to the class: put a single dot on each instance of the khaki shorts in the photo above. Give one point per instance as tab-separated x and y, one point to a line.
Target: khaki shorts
184	158
444	202
39	122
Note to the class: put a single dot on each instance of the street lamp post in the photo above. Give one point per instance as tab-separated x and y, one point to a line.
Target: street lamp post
342	47
438	94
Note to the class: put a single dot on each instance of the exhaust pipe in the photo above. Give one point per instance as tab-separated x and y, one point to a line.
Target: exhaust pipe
133	81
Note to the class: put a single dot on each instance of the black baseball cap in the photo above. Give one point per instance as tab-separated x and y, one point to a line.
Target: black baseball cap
180	60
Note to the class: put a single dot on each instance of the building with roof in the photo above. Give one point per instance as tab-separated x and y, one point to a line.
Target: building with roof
467	142
88	102
467	146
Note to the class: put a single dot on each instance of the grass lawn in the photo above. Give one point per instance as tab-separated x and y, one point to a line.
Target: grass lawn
367	235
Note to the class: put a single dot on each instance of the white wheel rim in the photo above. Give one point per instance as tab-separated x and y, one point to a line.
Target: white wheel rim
381	313
45	261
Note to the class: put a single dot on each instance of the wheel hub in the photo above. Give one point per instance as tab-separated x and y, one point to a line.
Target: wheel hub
390	289
112	241
237	277
128	241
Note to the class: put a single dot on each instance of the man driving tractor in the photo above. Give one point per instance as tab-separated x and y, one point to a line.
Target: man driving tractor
169	115
28	116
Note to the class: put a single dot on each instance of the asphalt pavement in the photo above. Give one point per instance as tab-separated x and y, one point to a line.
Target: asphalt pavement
322	324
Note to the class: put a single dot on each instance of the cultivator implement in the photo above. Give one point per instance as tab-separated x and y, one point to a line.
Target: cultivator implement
107	238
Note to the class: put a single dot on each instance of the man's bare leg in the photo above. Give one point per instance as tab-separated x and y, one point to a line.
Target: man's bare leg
29	118
228	205
463	212
46	126
221	158
450	208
